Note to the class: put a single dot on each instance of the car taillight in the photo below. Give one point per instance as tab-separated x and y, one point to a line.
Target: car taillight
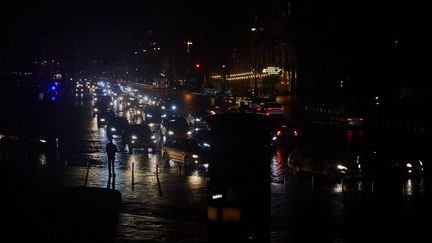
279	133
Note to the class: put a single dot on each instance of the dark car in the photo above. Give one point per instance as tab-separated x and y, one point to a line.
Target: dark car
174	127
102	103
331	164
153	115
271	109
139	136
285	134
191	152
131	102
204	136
168	104
349	116
116	126
105	117
394	163
197	117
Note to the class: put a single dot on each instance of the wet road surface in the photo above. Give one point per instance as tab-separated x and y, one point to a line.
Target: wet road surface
160	203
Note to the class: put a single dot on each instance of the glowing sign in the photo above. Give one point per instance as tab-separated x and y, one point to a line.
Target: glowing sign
272	70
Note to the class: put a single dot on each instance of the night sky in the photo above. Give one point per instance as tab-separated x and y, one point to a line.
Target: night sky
49	27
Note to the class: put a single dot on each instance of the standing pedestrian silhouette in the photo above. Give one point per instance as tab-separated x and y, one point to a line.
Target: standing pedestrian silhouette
242	107
111	149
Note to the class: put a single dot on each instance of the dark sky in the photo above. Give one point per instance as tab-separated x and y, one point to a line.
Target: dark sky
45	27
111	28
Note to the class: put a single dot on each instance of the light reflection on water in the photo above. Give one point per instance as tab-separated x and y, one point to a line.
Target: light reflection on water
195	179
413	187
278	167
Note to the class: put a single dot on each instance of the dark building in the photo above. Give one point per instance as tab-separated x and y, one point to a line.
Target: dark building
266	63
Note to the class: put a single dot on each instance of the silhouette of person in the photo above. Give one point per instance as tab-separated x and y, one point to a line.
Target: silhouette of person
242	107
111	149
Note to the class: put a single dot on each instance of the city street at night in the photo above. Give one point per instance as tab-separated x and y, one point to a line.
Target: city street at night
281	121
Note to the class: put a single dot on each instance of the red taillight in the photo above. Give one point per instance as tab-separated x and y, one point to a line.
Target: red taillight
272	109
279	133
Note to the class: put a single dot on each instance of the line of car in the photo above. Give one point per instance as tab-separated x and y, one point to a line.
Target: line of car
160	126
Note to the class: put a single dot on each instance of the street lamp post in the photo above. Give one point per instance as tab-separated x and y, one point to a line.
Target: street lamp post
255	82
188	44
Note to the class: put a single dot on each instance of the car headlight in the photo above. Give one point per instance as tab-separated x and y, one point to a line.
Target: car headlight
134	137
102	119
170	133
113	129
341	167
195	156
163	107
149	115
197	119
153	137
409	165
189	133
206	145
163	116
206	165
95	109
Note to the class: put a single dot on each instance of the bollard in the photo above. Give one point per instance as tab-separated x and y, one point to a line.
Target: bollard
86	179
158	181
342	185
133	176
312	181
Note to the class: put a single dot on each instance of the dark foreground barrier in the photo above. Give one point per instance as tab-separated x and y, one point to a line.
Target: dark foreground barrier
71	214
239	178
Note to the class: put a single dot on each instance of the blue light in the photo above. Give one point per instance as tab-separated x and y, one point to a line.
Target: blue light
53	98
53	87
